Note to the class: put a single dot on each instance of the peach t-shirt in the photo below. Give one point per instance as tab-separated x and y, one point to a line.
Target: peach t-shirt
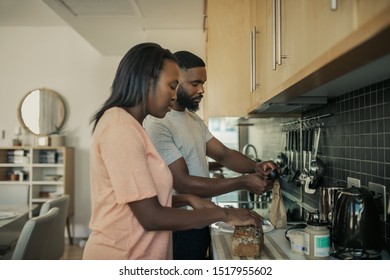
125	167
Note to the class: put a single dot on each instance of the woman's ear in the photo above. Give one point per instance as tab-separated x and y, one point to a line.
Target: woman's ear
150	86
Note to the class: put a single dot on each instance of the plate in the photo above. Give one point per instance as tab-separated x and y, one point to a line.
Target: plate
7	215
224	227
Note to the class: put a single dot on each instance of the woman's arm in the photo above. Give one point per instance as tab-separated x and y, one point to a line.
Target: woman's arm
152	216
195	202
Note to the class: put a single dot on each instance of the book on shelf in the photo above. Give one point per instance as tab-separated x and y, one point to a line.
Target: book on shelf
18	156
48	156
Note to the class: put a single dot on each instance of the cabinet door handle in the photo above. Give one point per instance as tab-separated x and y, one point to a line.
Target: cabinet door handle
274	34
278	32
252	54
333	5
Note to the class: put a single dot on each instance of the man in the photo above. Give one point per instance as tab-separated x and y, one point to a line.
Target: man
184	142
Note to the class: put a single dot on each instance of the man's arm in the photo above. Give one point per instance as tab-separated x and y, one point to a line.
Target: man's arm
215	166
209	187
229	158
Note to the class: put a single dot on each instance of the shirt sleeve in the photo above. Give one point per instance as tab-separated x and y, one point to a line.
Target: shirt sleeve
122	149
207	132
163	140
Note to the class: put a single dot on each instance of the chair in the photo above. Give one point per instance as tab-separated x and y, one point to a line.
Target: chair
56	242
33	239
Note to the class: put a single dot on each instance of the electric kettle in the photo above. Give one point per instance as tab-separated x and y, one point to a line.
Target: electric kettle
356	225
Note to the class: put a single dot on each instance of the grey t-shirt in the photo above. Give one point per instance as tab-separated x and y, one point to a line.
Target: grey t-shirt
181	134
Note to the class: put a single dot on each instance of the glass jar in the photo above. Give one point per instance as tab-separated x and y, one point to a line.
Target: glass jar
317	240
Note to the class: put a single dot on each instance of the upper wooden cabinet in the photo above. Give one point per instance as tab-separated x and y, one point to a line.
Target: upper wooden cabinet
310	43
227	58
259	51
299	45
297	33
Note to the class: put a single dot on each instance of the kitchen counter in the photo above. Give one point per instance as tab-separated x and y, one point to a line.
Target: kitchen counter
276	247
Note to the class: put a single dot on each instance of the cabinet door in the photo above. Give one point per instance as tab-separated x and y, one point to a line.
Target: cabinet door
367	10
228	54
284	35
259	22
307	30
324	27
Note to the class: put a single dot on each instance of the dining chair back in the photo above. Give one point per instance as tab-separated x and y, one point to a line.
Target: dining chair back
33	239
56	245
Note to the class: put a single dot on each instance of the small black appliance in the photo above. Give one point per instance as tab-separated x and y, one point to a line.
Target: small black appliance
356	225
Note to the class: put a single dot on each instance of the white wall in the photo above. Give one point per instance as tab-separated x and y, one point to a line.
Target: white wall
58	58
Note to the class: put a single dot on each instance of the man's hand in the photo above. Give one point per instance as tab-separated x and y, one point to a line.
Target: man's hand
260	181
256	184
267	170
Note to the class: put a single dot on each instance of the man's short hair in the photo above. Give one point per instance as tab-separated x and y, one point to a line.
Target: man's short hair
188	60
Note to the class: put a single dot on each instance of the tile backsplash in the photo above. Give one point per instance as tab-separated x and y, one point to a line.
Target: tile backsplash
356	139
354	142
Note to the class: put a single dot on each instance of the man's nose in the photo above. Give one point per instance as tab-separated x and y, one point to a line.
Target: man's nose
200	88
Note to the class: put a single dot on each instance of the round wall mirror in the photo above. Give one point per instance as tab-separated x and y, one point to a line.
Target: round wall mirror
42	112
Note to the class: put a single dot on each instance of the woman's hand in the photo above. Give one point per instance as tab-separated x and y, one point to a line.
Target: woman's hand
242	217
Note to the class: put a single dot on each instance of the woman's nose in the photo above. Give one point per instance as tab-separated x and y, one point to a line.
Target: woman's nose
174	94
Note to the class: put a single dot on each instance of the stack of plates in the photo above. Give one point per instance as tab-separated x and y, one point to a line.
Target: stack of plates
7	215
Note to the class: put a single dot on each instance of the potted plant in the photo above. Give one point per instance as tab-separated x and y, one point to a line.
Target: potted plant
57	138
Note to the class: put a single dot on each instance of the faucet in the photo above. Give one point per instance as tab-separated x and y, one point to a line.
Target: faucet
245	151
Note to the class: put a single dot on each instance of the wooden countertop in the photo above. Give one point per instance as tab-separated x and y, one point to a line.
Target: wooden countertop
276	247
222	249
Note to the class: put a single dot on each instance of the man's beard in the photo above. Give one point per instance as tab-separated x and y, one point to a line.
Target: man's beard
185	101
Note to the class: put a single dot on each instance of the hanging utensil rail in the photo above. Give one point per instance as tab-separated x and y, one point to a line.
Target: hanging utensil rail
305	123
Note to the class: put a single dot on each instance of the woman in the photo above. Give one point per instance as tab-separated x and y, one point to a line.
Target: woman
131	187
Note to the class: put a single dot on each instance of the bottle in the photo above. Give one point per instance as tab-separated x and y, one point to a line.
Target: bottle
316	239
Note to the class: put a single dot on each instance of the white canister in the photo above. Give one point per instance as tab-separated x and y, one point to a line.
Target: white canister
296	237
317	240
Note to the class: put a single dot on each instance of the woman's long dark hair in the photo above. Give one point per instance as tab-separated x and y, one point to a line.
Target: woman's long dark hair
140	66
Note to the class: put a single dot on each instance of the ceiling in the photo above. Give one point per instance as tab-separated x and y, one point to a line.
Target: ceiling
113	26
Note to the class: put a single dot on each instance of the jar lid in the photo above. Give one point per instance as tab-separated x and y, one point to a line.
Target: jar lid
317	222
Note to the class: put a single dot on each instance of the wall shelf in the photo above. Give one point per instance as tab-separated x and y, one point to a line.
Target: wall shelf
48	171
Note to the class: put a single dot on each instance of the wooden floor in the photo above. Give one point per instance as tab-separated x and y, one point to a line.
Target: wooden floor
72	252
